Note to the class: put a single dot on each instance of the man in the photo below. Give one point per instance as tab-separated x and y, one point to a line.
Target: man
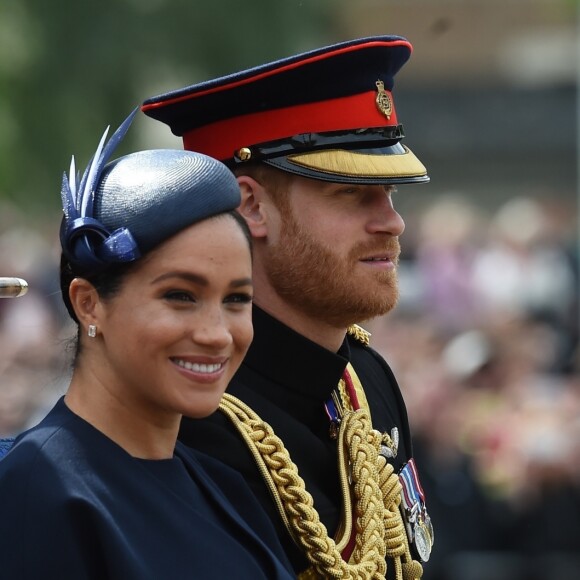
316	144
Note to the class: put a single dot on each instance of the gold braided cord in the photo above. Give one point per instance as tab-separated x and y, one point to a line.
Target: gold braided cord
345	528
358	389
307	529
369	522
379	529
250	429
396	538
344	397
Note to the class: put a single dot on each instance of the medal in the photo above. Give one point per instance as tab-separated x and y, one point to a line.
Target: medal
429	527
422	541
417	520
335	411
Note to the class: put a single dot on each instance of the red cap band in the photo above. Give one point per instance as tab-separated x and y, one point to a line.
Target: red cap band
223	138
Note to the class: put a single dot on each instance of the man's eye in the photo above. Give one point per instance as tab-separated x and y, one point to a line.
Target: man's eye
239	298
348	190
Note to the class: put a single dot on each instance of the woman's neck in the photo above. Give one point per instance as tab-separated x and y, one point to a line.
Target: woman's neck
143	433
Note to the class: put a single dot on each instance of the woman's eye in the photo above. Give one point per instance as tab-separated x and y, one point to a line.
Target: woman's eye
179	296
239	298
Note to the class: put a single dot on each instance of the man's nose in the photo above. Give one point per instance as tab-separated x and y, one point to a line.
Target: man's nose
384	218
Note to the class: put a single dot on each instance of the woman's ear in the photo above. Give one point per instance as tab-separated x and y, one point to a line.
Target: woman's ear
252	207
85	301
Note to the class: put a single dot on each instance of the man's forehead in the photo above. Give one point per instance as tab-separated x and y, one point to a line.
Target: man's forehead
332	186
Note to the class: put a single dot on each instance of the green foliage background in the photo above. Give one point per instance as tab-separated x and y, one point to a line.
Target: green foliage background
70	68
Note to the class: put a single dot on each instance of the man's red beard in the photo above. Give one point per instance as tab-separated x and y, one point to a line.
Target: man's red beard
326	286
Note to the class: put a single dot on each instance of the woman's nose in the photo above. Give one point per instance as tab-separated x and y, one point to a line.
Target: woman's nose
211	329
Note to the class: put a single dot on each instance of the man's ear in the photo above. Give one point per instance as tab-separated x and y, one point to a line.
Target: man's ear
85	302
253	207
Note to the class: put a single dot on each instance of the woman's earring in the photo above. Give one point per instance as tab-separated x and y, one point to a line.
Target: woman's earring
92	330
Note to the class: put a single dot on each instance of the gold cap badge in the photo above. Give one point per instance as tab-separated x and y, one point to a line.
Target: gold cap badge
383	100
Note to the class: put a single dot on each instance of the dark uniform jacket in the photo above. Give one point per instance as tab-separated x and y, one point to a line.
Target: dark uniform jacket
75	505
286	379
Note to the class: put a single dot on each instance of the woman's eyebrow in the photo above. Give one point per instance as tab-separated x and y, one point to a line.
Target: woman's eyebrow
199	279
241	282
189	276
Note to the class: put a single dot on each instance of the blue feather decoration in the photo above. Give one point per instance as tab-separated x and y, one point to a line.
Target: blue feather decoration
80	230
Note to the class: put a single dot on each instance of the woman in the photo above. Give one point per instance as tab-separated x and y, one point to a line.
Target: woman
156	271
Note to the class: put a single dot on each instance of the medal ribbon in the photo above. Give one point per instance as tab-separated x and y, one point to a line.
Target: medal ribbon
335	405
332	411
412	491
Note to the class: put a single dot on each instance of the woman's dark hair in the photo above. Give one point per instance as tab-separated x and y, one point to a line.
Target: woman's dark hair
108	281
243	225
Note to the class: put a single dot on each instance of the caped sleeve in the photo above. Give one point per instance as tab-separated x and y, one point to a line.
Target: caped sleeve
234	489
45	523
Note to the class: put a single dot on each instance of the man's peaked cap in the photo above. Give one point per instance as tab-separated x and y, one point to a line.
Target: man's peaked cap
325	114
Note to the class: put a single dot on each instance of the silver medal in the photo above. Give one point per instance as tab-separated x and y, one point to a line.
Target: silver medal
422	541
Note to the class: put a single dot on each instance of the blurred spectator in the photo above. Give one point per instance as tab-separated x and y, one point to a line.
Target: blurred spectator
450	234
32	371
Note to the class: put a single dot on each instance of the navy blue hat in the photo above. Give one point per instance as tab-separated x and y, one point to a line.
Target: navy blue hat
326	114
124	209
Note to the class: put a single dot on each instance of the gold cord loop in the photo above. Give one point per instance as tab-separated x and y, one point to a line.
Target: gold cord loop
378	525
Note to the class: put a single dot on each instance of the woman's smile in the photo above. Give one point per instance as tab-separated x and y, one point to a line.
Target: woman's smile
201	371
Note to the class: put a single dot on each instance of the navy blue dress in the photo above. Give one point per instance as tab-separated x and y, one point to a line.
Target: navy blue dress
75	505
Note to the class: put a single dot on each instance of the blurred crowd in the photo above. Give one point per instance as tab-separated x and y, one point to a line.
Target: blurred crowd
34	361
484	343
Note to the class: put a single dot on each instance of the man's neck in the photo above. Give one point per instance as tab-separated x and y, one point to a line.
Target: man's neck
316	330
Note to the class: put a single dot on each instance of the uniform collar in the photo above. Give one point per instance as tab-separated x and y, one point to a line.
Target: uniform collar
288	358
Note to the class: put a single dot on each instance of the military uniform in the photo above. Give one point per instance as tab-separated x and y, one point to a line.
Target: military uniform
286	379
